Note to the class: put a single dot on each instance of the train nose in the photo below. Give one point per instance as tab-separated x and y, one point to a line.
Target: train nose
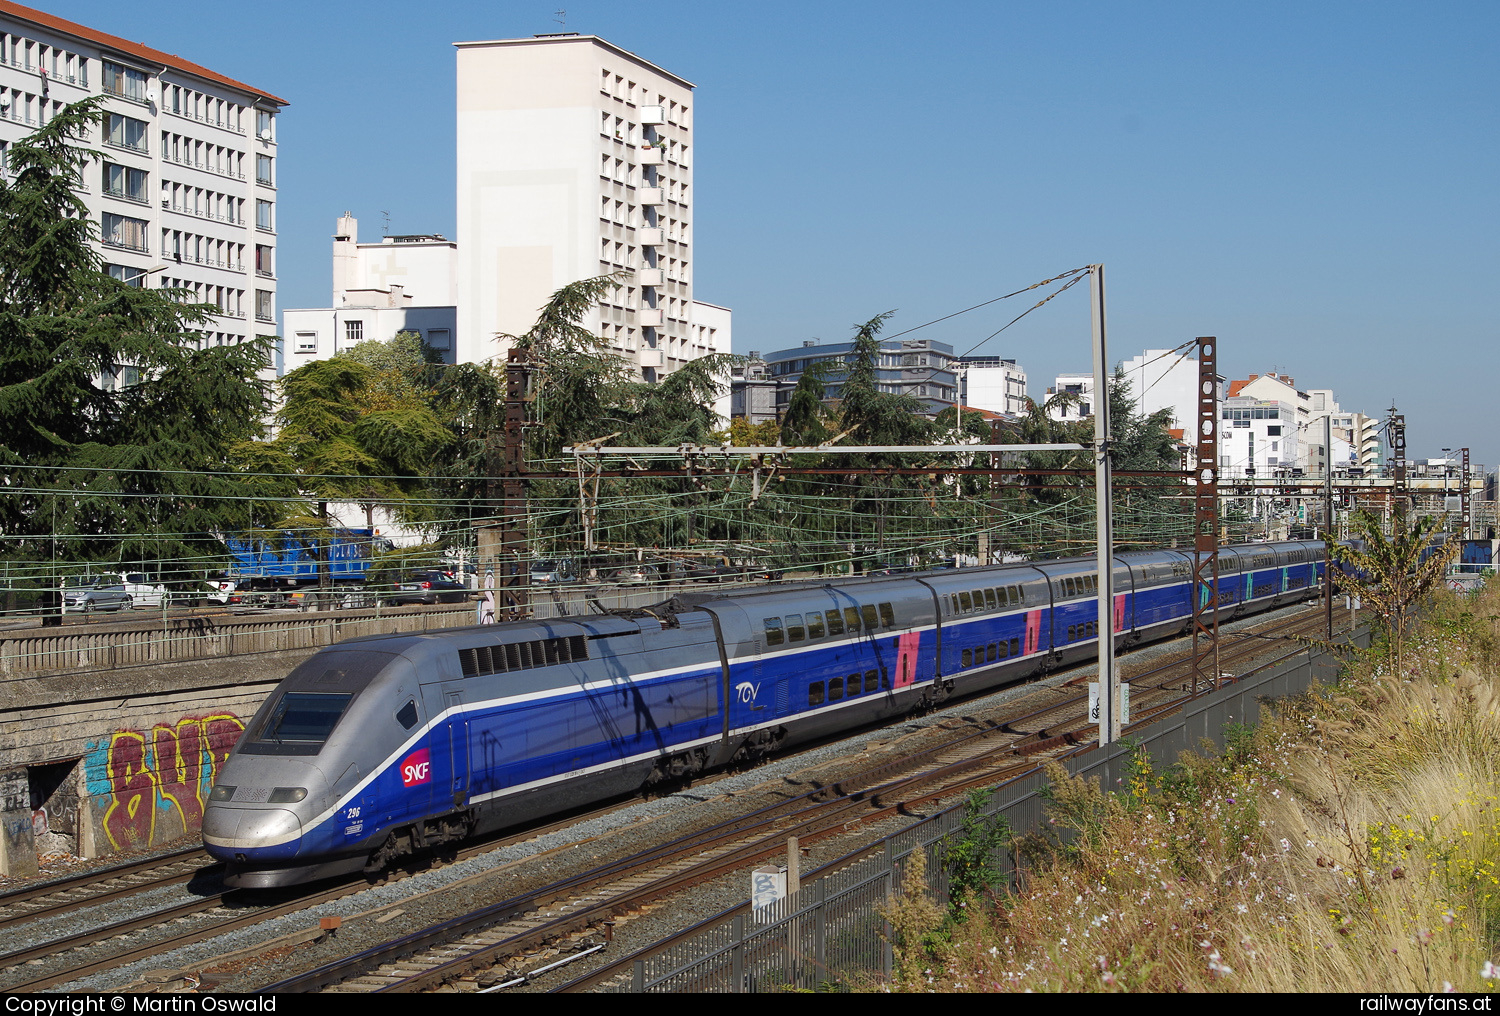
256	832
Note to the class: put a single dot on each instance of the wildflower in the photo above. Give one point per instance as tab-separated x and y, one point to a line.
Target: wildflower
1489	970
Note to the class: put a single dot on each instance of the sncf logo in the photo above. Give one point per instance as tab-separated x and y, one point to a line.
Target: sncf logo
416	769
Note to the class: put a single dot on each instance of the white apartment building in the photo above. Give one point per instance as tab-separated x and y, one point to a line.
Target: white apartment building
1079	385
1164	379
992	383
575	160
184	191
401	284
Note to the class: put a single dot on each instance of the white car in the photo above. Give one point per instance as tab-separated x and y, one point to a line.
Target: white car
144	590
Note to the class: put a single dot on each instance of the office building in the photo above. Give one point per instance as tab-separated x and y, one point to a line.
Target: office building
575	159
921	368
184	190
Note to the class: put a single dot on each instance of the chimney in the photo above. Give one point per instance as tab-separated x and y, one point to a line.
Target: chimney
345	258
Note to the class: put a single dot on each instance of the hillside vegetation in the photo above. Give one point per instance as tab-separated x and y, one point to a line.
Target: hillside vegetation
1351	842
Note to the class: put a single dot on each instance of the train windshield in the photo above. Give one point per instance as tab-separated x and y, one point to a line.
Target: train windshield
299	724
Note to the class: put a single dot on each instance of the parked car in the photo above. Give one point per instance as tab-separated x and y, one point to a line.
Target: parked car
428	587
95	595
220	591
635	575
553	573
145	590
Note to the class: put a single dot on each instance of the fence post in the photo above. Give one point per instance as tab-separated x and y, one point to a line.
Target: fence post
737	956
820	934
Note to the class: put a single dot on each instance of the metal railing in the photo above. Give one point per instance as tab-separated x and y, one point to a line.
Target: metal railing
206	636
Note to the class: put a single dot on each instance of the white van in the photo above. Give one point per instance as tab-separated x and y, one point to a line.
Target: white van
145	590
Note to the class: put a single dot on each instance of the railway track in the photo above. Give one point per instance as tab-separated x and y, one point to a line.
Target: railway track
221	912
455	949
119	882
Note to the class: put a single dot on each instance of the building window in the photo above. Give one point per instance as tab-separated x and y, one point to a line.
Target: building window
440	338
263	124
125	132
130	276
354	332
125	182
124	81
263	170
264	309
307	342
263	260
263	218
119	231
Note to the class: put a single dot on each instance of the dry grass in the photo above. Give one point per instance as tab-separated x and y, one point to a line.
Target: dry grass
1351	843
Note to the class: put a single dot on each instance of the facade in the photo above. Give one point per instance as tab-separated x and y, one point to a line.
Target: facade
1164	379
401	284
1079	385
752	391
184	190
921	368
993	384
575	161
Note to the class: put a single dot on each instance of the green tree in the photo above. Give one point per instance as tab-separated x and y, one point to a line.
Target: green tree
1391	572
116	428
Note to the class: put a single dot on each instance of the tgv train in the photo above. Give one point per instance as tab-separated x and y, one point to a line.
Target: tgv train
377	747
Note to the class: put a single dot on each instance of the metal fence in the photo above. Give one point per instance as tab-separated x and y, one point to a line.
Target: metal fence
832	932
205	637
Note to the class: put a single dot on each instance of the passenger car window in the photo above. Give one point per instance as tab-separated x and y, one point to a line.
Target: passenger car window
815	625
835	623
774	635
794	631
887	615
851	619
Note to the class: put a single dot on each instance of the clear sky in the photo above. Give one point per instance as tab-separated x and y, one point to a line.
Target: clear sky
1314	183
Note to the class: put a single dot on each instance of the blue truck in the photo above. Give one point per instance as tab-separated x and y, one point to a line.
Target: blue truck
292	560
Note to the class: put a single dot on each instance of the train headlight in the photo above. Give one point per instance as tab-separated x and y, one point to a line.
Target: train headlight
222	793
287	795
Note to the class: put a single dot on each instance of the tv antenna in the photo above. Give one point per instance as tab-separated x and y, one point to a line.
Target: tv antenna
387	217
561	17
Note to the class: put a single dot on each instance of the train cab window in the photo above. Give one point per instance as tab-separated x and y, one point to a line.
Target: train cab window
815	624
299	724
872	680
835	623
774	635
835	689
794	632
815	693
887	615
965	602
989	599
407	715
851	620
968	658
867	614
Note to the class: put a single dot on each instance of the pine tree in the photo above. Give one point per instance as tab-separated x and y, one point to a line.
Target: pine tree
116	428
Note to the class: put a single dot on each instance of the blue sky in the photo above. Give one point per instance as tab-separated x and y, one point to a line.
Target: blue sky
1313	183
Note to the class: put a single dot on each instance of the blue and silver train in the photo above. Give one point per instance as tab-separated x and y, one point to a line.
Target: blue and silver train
378	747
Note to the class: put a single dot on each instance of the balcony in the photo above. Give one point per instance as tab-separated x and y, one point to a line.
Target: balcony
649	276
653	115
648	357
650	195
649	155
649	317
650	236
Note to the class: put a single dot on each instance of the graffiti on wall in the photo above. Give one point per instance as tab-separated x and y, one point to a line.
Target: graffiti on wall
157	781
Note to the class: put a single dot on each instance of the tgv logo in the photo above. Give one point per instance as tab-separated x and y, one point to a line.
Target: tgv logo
416	768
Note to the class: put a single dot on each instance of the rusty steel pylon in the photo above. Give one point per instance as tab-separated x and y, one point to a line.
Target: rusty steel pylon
1205	670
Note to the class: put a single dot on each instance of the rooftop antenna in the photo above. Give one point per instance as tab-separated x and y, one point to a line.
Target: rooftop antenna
561	17
387	216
